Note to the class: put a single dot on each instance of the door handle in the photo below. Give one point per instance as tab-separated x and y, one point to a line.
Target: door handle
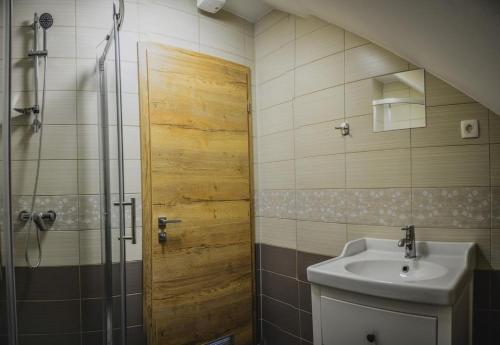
162	227
133	220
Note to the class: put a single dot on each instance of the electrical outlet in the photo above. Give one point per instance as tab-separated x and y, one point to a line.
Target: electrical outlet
470	129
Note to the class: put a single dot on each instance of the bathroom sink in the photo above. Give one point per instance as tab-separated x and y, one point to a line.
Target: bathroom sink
396	270
378	267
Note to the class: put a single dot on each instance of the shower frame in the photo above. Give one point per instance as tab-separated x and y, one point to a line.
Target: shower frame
7	249
107	204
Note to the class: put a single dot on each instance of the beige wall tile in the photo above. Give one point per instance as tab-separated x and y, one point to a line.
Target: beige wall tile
24	143
278	232
88	176
318	139
276	36
60	248
90	247
277	175
256	177
58	177
88	142
320	172
495	248
305	25
319	106
355	231
276	147
494	128
437	92
352	40
378	169
479	236
495	164
317	44
257	232
268	21
275	91
443	125
358	97
321	238
451	166
275	119
320	74
369	61
276	63
221	36
134	251
362	137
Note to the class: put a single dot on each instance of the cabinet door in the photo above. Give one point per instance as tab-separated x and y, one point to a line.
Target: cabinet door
346	323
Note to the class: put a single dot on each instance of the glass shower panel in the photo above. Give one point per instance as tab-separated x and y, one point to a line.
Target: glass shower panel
118	214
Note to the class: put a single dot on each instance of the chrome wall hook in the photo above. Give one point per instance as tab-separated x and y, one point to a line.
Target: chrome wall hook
344	128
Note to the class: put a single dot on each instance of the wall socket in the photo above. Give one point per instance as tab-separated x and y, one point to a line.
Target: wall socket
469	129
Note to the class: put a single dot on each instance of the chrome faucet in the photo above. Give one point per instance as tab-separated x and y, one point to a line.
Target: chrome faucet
409	242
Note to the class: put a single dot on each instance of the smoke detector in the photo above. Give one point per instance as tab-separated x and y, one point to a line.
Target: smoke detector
211	6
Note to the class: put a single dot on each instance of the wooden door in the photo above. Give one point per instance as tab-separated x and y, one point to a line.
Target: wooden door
198	285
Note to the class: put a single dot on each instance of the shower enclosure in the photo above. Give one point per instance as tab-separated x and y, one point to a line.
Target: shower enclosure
59	297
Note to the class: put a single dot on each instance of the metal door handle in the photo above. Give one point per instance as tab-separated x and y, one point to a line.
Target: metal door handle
162	227
133	220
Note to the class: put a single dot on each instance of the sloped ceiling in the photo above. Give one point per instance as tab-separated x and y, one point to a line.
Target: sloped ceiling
251	10
456	40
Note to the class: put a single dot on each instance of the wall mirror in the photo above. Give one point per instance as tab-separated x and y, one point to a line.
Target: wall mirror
399	101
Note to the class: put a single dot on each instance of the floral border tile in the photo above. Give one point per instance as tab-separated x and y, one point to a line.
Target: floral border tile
459	207
390	206
495	206
276	204
327	205
89	212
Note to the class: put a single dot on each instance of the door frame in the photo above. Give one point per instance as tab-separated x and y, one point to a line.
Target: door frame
147	210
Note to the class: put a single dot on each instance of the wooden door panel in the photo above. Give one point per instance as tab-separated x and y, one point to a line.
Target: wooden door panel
232	310
193	165
196	167
188	106
211	223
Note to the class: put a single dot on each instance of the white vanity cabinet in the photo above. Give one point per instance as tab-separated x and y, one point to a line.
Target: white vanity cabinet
376	292
346	318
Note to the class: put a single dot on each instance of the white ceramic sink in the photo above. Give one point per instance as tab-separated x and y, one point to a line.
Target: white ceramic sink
378	268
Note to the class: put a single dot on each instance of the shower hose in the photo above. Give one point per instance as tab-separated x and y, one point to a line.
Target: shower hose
31	224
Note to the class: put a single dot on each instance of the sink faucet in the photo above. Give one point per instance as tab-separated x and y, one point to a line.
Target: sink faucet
409	242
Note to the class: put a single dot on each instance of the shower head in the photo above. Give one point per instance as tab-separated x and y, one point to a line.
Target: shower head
46	20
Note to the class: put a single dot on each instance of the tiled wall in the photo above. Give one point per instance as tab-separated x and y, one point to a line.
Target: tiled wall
316	189
69	181
64	304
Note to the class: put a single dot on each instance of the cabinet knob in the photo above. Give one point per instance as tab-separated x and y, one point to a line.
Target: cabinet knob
370	338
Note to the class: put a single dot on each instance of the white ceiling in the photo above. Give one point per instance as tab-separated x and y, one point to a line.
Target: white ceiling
251	10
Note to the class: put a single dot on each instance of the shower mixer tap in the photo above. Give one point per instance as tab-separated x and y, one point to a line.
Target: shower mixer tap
38	218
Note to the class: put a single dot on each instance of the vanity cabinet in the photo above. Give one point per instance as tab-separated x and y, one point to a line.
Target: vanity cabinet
353	324
346	318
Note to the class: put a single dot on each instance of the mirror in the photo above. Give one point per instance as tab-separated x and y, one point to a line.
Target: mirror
398	101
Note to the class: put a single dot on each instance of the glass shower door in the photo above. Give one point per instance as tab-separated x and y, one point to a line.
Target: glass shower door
118	211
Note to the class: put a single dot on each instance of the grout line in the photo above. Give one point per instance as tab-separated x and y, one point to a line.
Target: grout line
279	301
281	329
